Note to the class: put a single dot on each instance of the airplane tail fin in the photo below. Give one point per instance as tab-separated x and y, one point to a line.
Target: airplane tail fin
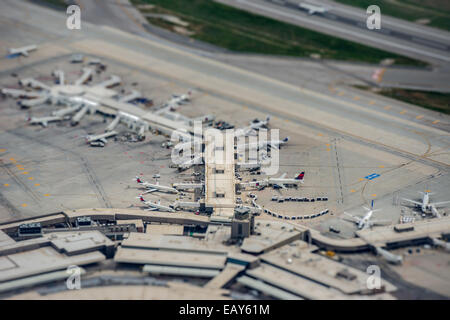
300	176
138	180
286	139
267	118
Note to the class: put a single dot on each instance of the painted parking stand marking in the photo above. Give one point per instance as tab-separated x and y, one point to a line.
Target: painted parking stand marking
372	176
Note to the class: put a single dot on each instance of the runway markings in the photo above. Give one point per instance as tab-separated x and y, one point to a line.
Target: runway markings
419	117
6	185
46	195
435	121
387	107
24	205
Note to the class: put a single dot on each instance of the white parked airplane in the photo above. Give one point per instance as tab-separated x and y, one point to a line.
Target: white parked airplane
251	129
189	163
281	182
43	120
174	102
153	206
32	102
179	99
22	50
311	8
152	187
276	144
366	221
426	206
131	96
15	93
256	124
100	137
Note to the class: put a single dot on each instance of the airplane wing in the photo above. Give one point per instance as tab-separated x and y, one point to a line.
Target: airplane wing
25	53
150	190
355	218
283	176
151	209
437	204
279	186
273	145
412	201
44	123
103	140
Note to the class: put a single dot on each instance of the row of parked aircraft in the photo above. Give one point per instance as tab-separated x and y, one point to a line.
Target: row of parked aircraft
425	206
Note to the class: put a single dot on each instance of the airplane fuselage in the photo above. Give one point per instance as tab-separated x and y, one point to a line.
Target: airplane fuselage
157	206
426	203
159	187
365	221
273	181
